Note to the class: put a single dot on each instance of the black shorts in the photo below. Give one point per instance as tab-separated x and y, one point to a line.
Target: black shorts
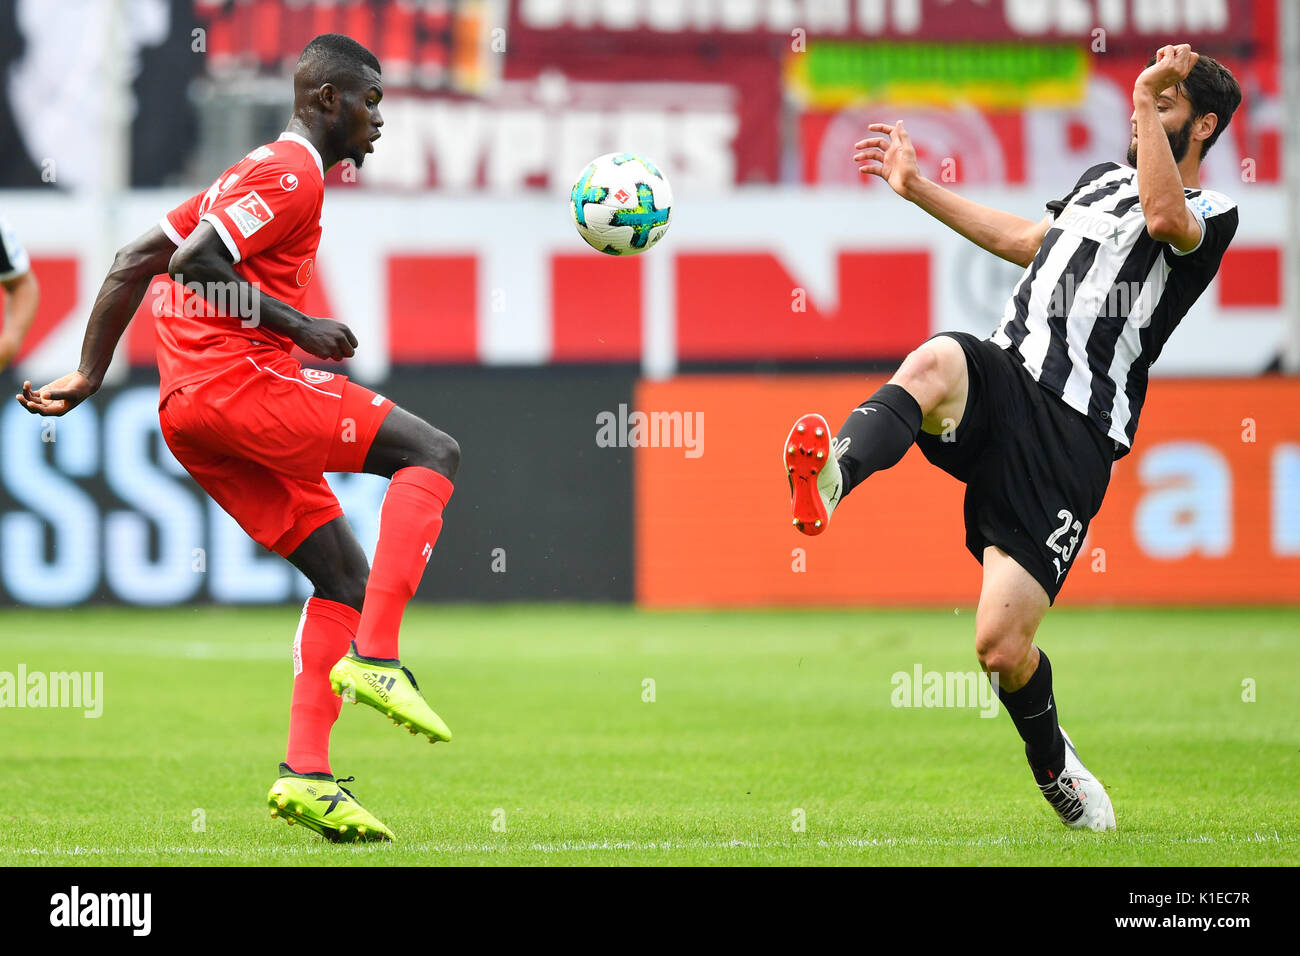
1035	469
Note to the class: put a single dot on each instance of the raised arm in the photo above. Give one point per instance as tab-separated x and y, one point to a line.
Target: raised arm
124	287
1160	183
893	158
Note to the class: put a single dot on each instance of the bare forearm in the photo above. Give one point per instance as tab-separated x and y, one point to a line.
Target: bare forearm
215	277
1004	234
118	298
1160	187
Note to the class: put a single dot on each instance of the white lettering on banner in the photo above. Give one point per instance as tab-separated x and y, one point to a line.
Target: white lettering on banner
155	499
58	511
1286	500
872	17
1062	16
689	128
241	571
1188	507
142	553
731	16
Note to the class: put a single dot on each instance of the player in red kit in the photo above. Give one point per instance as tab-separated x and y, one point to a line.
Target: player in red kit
258	431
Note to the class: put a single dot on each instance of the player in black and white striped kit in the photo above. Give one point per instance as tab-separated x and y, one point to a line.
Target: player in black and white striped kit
22	294
1032	418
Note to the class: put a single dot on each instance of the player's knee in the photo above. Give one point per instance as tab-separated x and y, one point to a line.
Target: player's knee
443	452
429	447
928	373
922	365
1002	645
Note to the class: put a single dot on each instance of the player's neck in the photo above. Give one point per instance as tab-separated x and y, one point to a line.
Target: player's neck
316	138
1189	170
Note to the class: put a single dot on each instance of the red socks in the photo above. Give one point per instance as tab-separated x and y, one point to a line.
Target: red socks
324	633
409	521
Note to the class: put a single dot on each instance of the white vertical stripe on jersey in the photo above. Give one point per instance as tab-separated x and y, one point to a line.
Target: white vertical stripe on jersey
1033	349
1129	347
1093	297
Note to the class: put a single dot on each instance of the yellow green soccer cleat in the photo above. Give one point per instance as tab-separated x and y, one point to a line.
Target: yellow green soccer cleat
388	687
320	803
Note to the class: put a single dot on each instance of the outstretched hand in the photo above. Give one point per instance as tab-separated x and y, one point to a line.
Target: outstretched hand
891	157
59	397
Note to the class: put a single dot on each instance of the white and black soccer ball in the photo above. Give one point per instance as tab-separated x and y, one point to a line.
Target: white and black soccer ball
621	204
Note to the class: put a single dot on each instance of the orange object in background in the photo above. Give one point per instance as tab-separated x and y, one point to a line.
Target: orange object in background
1205	510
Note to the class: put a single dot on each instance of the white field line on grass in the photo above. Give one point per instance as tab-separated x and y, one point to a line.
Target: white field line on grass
184	649
666	846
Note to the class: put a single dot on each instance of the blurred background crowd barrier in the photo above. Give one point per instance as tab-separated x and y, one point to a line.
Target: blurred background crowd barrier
786	283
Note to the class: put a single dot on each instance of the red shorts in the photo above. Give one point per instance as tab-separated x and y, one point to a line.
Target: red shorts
259	435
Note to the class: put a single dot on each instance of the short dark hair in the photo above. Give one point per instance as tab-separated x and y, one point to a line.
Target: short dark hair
1210	88
331	56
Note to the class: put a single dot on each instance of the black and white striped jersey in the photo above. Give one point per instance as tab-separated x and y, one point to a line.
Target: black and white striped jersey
13	257
1095	307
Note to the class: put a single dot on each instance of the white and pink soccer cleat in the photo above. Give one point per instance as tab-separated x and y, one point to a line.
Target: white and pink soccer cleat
812	466
1078	797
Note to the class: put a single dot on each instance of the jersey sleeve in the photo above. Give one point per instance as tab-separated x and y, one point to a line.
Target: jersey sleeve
14	261
180	222
1057	206
1217	216
263	208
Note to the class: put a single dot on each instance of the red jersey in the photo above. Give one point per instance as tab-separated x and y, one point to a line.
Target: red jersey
266	209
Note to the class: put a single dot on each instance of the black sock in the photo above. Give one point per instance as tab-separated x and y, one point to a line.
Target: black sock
881	430
1033	711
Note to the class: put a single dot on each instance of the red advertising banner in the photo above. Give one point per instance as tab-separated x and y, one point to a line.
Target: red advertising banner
557	21
1205	510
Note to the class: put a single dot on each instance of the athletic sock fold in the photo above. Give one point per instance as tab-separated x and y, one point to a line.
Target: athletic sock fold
1033	710
410	520
879	433
325	630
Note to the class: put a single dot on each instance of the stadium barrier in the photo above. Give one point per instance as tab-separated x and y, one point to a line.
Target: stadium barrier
589	485
94	508
1206	509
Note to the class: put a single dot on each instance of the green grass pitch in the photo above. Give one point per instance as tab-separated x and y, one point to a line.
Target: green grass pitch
756	716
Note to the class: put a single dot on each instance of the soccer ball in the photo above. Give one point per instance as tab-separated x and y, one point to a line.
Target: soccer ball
621	204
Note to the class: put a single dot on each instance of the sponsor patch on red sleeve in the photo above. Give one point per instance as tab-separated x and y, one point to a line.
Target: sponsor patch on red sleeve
250	214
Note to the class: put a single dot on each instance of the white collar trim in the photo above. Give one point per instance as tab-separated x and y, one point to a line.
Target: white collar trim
295	138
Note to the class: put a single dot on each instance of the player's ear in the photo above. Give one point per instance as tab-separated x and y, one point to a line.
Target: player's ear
1205	127
328	95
